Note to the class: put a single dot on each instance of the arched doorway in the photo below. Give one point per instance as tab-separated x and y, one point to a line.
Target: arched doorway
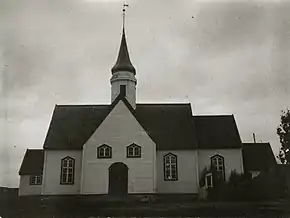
118	179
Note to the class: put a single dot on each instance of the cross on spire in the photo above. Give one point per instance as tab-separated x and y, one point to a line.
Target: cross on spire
123	61
124	13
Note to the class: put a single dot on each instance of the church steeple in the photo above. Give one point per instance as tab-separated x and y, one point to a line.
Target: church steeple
123	62
123	80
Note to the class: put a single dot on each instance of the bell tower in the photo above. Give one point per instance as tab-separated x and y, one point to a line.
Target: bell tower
123	80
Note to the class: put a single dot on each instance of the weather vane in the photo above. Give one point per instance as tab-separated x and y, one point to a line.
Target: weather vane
124	13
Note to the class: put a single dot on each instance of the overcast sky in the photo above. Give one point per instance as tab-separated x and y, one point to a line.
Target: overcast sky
224	57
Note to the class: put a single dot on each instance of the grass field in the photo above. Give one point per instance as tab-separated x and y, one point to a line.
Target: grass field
35	208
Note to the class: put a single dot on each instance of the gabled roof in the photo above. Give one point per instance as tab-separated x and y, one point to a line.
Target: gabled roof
217	132
123	61
168	125
258	156
72	125
32	163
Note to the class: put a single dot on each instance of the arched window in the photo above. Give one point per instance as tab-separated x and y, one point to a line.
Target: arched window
67	171
170	167
133	150
217	163
104	151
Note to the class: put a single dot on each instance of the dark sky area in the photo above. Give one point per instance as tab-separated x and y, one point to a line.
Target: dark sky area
224	57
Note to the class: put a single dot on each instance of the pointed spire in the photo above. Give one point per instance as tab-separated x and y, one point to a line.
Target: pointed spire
123	61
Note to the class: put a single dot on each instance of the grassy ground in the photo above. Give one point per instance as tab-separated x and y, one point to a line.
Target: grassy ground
34	208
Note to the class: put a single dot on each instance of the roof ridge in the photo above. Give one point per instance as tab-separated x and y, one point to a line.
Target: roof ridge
80	105
213	115
34	149
259	143
166	104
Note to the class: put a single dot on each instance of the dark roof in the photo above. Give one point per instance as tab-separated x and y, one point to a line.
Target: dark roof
216	132
72	125
169	125
123	62
32	163
258	156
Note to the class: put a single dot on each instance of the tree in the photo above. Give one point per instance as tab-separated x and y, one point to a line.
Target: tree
283	131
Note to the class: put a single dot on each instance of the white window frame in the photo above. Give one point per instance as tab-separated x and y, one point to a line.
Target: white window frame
67	171
218	163
35	180
170	165
133	150
208	177
104	151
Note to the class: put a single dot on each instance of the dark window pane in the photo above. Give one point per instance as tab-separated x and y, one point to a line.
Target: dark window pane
38	180
167	160
64	170
32	180
214	161
130	151
173	173
137	151
173	159
123	90
208	180
63	178
70	178
64	163
70	163
173	168
107	152
101	152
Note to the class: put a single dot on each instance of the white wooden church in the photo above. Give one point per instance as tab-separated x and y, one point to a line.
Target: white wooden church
130	148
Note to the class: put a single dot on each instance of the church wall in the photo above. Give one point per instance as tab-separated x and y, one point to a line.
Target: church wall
119	130
52	170
26	189
232	160
187	169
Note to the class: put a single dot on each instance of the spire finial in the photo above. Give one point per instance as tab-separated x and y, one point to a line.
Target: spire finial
123	61
124	13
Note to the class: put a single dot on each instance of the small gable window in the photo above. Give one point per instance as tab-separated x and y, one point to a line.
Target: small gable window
104	151
170	167
217	163
67	171
133	150
35	180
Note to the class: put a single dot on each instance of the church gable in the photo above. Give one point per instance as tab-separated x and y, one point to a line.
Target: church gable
119	127
121	136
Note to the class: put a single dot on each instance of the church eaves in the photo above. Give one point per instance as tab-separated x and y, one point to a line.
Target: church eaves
123	61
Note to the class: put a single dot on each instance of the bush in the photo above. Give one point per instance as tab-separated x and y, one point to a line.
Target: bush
266	186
